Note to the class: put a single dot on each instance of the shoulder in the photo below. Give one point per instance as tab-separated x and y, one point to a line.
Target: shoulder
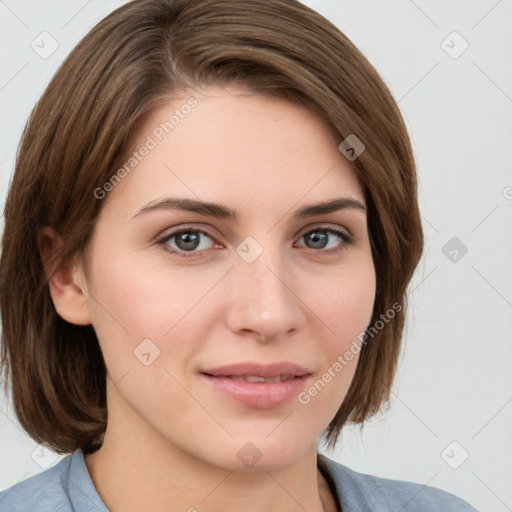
65	487
360	491
45	491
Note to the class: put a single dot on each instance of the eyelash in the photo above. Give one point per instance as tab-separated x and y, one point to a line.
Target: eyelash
346	240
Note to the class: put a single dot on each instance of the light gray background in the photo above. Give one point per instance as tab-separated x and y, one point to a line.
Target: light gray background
453	394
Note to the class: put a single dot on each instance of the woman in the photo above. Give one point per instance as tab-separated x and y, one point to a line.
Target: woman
209	235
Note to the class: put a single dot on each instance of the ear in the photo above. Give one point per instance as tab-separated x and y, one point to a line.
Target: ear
67	285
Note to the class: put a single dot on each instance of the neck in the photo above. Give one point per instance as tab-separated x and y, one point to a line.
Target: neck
136	469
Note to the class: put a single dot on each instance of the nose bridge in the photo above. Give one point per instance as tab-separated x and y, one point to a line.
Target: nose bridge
263	300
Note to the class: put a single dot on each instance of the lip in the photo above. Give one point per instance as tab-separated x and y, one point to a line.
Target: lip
258	395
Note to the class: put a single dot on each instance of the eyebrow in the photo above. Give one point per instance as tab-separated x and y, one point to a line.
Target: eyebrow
223	212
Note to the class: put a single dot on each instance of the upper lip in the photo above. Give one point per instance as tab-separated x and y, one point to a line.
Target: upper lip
258	370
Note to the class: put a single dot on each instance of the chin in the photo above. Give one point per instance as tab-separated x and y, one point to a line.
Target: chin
259	452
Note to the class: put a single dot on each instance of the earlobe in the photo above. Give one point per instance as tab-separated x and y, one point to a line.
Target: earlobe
67	284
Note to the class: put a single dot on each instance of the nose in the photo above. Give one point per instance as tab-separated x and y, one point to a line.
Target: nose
263	301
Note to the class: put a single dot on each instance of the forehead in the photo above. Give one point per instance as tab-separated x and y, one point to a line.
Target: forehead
252	152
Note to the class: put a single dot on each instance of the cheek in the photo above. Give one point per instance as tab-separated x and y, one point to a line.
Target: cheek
150	324
345	301
346	306
133	301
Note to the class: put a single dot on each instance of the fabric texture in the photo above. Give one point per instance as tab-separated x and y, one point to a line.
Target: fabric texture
359	492
67	487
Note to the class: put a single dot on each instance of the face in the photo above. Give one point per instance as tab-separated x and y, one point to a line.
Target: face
222	326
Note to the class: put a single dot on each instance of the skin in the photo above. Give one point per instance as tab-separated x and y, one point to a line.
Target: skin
171	443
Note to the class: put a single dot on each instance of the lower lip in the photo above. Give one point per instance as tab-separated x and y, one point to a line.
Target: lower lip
259	395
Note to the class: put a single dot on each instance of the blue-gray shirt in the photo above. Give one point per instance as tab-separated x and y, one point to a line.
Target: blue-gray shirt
67	487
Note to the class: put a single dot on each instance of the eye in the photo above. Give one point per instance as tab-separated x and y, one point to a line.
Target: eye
185	241
323	238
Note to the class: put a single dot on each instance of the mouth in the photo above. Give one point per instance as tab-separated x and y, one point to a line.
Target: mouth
257	385
255	378
252	370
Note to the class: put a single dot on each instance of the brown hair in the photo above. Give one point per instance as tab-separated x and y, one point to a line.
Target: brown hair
128	65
